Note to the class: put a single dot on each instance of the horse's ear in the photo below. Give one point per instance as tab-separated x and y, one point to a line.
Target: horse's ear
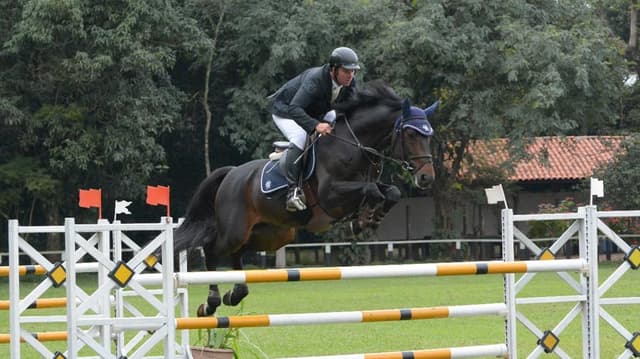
406	108
431	109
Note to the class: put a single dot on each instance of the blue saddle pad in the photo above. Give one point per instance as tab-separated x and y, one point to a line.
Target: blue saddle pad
272	178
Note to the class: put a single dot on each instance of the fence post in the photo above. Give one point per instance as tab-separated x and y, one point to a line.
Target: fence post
591	313
14	289
327	255
72	315
509	283
281	257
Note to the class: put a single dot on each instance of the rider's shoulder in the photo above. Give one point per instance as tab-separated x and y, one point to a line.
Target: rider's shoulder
318	73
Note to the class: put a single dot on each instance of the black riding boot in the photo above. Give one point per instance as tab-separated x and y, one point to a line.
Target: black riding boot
295	196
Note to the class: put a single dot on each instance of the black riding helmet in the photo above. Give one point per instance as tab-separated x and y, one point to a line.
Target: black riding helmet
344	57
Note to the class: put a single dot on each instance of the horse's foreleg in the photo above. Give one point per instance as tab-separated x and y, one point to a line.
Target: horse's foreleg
374	209
363	196
391	198
213	302
240	290
213	299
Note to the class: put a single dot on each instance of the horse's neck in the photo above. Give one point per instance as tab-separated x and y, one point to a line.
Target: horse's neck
376	135
350	155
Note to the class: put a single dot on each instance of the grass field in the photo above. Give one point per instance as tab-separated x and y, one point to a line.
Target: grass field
363	294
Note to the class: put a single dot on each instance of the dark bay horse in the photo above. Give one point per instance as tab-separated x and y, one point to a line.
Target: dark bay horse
229	215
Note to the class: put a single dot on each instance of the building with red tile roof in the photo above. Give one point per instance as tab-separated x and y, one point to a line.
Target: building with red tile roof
571	158
550	174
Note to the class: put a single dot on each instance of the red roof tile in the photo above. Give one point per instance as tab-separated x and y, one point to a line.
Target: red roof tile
569	158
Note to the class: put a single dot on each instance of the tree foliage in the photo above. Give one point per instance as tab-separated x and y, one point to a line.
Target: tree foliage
621	177
109	94
89	92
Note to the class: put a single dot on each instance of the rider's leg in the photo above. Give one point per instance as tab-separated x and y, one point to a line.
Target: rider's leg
297	137
295	199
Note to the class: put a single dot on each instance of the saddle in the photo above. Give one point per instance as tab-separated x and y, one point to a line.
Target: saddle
272	176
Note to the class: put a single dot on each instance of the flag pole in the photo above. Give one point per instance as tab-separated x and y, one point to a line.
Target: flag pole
169	203
100	206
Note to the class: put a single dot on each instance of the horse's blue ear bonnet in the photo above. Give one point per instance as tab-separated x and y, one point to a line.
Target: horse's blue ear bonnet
416	118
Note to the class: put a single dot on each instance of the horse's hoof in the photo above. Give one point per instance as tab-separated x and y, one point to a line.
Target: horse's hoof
226	298
202	310
235	296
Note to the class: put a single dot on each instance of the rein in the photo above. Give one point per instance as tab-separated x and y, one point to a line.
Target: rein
406	165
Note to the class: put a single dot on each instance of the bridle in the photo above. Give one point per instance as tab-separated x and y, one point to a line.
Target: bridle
405	162
401	124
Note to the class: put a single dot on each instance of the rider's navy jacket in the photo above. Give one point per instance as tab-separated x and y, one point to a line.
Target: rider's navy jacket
307	97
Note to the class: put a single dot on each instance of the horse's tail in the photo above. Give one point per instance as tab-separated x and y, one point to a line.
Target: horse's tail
198	226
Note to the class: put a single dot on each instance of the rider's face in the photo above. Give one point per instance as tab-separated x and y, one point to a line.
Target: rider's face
343	76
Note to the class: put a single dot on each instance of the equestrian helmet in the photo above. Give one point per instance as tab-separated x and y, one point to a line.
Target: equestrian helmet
344	57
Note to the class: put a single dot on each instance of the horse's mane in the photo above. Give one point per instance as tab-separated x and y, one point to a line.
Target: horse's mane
370	94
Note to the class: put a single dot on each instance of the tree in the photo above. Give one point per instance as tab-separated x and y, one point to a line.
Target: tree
621	177
89	94
503	69
632	45
114	94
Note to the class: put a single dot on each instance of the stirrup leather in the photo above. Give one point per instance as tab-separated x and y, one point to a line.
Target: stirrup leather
296	200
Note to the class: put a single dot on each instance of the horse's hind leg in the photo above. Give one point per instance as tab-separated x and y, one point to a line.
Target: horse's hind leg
213	300
240	290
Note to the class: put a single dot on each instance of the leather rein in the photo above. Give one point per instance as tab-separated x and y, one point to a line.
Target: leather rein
404	162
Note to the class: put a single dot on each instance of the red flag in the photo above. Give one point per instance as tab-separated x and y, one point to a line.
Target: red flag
91	198
158	195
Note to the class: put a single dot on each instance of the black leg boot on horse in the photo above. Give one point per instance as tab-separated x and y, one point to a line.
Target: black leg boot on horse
293	164
240	290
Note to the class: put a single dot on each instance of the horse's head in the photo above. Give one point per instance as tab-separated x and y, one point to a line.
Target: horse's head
373	110
411	142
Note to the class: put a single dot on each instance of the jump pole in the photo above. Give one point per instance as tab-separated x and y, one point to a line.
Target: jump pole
38	304
375	271
494	350
40	270
41	337
366	316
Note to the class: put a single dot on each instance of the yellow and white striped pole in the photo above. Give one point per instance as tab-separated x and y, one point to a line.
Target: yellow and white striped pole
42	337
39	303
493	350
24	270
366	316
375	271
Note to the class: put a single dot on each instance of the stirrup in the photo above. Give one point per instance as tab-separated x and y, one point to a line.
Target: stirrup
295	200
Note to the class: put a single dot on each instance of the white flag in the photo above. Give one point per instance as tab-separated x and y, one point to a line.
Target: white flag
495	194
121	207
492	195
597	187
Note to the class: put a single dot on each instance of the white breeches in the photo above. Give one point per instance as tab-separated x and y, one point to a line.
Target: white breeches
293	132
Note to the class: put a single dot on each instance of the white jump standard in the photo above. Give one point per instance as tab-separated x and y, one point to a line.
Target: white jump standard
94	319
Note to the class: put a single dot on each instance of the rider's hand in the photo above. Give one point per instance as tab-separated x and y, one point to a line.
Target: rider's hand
323	128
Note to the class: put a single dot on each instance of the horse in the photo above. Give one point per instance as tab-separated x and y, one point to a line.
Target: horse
229	214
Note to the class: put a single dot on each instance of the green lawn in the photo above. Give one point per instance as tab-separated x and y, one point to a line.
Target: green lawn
363	294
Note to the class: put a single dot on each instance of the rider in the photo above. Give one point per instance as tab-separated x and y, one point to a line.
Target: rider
299	104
